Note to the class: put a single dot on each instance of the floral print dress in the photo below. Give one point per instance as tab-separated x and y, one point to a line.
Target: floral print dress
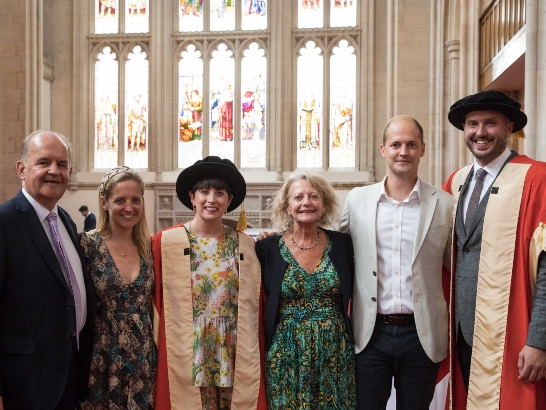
215	292
124	357
310	362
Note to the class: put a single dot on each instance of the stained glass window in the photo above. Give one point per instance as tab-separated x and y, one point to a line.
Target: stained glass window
309	102
222	79
227	114
137	16
343	13
342	106
106	16
190	107
190	16
136	109
106	109
310	13
222	15
254	15
253	107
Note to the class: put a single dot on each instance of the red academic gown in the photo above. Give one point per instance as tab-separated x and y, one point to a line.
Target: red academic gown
173	326
515	234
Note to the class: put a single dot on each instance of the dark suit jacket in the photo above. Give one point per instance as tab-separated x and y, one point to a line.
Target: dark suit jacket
37	312
90	222
273	267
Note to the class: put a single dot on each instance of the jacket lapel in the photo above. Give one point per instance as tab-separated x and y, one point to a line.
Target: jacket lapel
35	230
369	218
427	207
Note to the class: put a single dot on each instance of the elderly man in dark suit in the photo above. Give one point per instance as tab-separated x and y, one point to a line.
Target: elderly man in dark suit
45	326
498	327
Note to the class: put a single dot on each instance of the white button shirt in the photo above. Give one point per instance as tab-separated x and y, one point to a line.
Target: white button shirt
396	229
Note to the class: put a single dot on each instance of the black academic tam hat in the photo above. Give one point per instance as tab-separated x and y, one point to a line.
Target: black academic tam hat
487	100
211	167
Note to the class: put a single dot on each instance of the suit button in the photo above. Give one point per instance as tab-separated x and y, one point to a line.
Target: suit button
68	306
466	250
67	336
374	299
375	273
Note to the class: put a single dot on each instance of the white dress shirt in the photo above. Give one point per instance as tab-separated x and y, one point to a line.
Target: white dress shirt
396	229
71	251
492	169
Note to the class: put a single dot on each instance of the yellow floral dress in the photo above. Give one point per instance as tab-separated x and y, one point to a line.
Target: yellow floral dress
215	293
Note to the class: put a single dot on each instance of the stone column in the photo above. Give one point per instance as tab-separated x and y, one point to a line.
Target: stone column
535	81
20	36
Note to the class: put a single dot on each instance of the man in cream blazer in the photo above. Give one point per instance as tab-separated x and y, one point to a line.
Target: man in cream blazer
401	232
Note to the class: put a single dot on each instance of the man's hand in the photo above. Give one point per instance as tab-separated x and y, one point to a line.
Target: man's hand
1	404
531	364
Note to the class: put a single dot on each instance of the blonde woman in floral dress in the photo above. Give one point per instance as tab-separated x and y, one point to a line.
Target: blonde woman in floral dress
208	299
124	356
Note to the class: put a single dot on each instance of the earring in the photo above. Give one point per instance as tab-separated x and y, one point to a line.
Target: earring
194	208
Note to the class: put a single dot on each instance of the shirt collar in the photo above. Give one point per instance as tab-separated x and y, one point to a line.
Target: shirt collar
415	192
40	210
494	167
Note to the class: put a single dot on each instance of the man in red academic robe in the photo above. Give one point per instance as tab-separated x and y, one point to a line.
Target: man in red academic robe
498	280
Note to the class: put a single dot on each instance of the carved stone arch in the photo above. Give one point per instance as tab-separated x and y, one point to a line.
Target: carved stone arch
246	43
334	42
183	46
303	42
99	47
129	47
213	46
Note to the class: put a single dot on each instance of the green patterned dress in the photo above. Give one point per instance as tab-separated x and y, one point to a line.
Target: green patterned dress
310	362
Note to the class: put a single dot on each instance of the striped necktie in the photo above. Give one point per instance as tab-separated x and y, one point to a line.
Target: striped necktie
474	198
65	263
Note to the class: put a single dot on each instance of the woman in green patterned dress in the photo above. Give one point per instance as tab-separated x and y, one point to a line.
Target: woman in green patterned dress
307	275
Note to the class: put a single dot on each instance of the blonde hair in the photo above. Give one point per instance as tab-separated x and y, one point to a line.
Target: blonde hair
140	234
332	211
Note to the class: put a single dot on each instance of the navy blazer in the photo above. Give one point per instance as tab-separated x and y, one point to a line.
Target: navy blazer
273	267
90	222
37	312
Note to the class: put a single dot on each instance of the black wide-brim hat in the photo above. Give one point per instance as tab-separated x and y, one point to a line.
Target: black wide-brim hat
487	100
211	167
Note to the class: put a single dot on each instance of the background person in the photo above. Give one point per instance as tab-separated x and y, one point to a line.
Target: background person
208	286
90	222
400	229
307	274
45	326
123	366
498	328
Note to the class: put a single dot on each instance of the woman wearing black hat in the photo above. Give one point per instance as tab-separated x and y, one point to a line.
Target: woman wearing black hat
208	298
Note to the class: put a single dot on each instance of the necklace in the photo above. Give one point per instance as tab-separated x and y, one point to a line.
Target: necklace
123	255
308	247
